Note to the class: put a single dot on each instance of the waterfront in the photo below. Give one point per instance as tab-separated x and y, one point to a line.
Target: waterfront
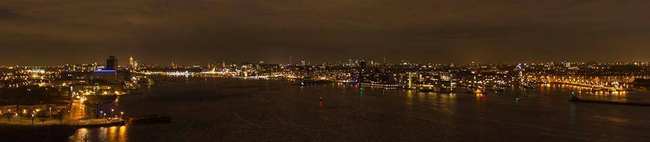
210	109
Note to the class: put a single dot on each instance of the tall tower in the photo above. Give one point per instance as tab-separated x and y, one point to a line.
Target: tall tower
223	66
131	64
111	63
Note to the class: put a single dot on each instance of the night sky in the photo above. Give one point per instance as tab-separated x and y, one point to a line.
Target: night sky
50	32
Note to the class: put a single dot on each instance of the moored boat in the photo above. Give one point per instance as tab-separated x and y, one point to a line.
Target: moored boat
153	119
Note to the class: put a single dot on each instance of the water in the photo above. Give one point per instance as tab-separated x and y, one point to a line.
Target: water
209	109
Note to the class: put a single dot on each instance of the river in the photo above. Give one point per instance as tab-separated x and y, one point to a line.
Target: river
212	109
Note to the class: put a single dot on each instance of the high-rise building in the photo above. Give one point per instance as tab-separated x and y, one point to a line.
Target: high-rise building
290	60
350	62
111	63
362	71
131	64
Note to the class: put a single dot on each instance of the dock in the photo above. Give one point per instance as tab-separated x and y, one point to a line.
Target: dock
578	100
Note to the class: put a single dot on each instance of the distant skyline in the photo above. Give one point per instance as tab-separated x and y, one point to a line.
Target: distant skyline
42	32
125	61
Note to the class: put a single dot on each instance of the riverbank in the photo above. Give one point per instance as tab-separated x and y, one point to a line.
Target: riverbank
82	123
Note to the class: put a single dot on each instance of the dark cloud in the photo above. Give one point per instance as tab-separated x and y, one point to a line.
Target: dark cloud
201	31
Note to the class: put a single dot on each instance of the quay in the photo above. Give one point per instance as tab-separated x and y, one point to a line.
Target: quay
578	100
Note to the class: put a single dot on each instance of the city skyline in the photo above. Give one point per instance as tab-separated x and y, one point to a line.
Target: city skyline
128	61
433	31
324	70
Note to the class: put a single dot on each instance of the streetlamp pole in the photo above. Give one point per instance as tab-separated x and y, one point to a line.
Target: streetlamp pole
8	116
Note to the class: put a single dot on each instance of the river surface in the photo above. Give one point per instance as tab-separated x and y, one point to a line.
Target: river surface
211	109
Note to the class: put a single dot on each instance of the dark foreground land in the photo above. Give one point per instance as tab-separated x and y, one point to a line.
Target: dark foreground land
14	133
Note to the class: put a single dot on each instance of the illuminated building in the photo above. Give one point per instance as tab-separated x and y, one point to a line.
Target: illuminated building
135	65
131	62
362	71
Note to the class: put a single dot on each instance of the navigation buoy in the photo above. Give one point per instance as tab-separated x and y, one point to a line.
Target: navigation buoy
320	102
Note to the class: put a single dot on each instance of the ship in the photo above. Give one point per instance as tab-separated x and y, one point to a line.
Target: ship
312	82
153	119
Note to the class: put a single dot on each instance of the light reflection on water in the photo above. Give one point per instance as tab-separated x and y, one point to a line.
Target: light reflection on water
112	134
409	99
